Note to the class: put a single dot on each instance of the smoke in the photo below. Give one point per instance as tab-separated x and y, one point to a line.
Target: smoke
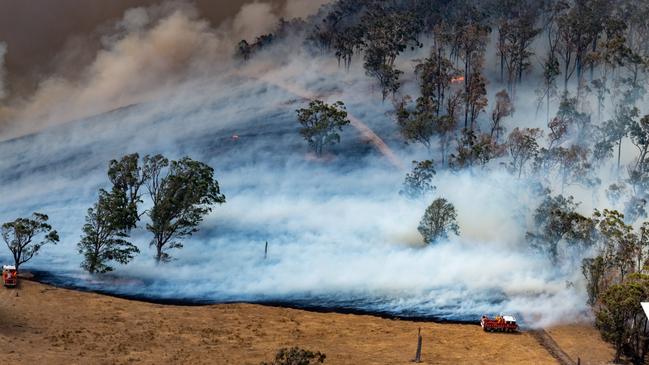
301	9
3	53
339	233
253	20
143	55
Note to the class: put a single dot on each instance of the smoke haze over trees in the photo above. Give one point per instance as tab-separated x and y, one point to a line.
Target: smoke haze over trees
528	117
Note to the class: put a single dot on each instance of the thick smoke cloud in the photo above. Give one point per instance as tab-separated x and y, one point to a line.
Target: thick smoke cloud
62	37
142	55
141	62
300	9
253	20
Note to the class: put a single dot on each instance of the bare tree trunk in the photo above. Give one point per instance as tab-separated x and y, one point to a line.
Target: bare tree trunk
158	255
619	153
547	109
466	91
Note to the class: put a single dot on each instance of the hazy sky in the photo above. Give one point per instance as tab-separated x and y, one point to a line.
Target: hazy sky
36	31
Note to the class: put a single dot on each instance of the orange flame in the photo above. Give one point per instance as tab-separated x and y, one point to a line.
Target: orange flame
458	79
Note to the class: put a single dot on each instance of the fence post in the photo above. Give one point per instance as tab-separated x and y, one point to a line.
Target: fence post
418	353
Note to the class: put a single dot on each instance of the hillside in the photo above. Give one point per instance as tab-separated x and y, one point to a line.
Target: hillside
412	159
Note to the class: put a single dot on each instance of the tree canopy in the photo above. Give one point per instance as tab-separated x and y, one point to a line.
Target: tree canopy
438	221
321	123
26	236
182	192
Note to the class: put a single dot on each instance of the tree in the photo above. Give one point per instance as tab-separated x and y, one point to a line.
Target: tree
575	121
476	98
558	131
551	71
601	90
573	166
551	67
639	133
346	43
435	75
475	149
523	147
419	181
619	242
502	109
245	50
438	221
104	235
387	75
614	131
387	34
555	220
110	220
516	31
127	178
594	270
296	356
416	125
621	320
642	246
183	193
22	237
445	128
472	42
321	123
579	28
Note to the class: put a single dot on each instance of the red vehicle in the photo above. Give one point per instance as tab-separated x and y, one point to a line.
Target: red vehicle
9	275
499	324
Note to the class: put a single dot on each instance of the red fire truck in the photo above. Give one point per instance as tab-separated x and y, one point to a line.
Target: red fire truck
499	324
9	275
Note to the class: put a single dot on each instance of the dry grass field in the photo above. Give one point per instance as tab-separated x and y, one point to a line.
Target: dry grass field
40	324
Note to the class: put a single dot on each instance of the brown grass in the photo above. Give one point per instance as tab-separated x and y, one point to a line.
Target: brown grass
582	341
45	325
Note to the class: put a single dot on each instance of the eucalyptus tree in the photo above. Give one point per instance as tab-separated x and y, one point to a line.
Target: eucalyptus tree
182	193
25	237
439	220
321	124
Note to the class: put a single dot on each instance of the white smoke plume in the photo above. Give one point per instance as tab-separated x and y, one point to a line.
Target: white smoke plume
339	233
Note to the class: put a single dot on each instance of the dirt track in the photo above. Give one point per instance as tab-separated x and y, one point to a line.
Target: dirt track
547	342
46	325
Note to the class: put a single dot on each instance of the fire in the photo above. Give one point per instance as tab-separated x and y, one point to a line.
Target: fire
458	79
